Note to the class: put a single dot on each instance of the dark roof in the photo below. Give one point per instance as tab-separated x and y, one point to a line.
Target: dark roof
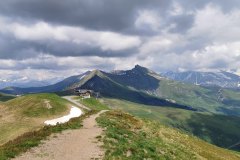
82	91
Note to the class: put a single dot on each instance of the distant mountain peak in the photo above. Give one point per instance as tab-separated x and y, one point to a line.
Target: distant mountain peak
96	72
219	78
137	65
139	68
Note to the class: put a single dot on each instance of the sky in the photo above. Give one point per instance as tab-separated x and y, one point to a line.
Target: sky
52	39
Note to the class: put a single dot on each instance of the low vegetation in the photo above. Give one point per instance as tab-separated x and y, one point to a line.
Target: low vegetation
125	136
27	113
31	139
209	99
220	130
5	97
93	104
39	105
128	137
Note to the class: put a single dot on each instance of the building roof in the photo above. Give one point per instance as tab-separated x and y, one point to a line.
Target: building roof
82	91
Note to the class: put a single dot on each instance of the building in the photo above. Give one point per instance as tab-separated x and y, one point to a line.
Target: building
84	93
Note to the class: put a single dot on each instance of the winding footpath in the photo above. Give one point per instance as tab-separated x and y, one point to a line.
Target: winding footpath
79	144
71	99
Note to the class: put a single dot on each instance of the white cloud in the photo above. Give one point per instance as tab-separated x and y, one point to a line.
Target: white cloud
46	67
156	45
148	19
162	44
172	51
42	31
211	58
176	9
5	64
216	25
114	41
212	43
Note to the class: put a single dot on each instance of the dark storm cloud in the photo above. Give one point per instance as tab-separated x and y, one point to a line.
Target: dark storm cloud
182	22
225	5
105	15
63	49
12	48
115	15
108	29
219	63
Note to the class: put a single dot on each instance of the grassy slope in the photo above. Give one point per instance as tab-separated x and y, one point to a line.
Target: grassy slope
31	139
27	113
192	95
127	137
128	85
93	104
231	101
218	129
108	88
5	97
204	99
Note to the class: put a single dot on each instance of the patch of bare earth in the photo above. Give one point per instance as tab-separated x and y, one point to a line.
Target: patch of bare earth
80	144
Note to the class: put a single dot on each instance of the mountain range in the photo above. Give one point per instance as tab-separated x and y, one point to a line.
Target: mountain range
59	86
221	78
142	85
197	109
26	82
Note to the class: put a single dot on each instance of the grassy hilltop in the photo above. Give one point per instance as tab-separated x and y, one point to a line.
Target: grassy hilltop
28	113
220	130
149	135
128	137
5	97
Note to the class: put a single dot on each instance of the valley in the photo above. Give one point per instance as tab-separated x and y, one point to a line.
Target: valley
211	114
27	113
220	130
128	137
119	80
222	79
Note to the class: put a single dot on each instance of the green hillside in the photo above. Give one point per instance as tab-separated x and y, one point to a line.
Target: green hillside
216	111
220	130
127	137
28	113
215	100
140	85
5	97
150	135
100	82
93	103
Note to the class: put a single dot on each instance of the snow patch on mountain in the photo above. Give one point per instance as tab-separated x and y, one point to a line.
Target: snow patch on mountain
220	78
75	112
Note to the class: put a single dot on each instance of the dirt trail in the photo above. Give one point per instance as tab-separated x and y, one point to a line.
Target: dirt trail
71	99
80	144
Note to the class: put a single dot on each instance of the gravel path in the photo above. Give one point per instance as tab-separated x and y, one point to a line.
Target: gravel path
80	144
71	99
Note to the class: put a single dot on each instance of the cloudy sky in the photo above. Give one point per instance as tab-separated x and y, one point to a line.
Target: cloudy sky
51	38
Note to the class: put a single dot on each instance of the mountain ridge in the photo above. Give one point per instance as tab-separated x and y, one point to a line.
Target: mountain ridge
50	88
142	85
221	78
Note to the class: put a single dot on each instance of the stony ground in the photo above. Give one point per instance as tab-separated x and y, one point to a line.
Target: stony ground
78	144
